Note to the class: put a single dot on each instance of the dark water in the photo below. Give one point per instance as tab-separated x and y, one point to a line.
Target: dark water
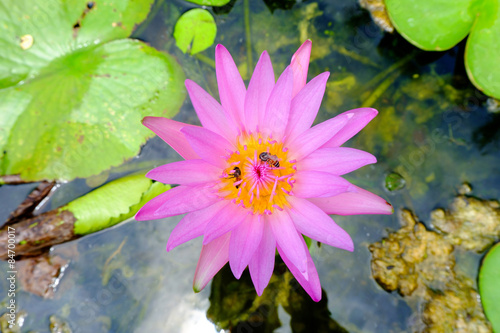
433	129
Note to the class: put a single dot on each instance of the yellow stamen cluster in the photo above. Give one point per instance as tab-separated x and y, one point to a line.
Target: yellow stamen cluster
258	185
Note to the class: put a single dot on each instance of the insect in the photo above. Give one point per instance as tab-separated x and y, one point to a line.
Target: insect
236	174
270	159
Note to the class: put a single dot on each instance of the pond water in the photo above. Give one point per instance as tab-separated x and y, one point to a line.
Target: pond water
433	129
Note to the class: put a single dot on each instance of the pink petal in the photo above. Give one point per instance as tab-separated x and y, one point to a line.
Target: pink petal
189	199
213	257
210	146
228	218
305	106
288	239
315	137
316	224
231	87
300	65
261	265
337	161
245	239
260	87
278	106
148	211
360	118
169	131
312	284
210	112
354	203
189	172
312	184
193	224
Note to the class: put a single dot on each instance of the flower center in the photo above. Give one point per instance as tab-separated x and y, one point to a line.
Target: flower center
259	176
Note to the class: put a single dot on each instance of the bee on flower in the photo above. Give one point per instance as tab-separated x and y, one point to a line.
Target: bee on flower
284	175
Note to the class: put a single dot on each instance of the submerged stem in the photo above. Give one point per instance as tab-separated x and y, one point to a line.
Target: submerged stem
355	56
391	74
205	59
390	69
382	87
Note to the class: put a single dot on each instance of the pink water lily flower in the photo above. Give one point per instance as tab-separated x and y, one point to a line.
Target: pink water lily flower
257	176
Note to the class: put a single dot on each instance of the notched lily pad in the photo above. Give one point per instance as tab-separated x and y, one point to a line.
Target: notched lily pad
195	31
489	277
72	103
482	54
427	23
440	25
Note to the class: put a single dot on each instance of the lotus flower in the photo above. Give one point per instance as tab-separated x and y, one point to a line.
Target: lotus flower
257	176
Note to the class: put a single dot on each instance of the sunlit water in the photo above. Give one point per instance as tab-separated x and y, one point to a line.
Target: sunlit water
433	128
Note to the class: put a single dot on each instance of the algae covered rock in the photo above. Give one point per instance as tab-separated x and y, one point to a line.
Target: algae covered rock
420	265
470	223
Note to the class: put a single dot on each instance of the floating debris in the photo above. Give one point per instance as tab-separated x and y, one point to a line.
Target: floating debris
493	105
6	327
57	325
41	275
394	182
378	13
419	264
26	42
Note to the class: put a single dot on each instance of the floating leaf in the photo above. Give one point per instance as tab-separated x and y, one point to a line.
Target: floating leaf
113	203
482	56
216	3
72	97
489	279
439	25
101	208
196	26
432	25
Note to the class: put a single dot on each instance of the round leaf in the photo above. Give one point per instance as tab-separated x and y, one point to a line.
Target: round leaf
83	113
432	25
196	26
70	105
489	281
57	28
215	3
482	55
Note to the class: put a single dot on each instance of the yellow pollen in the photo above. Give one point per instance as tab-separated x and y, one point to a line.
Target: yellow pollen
259	184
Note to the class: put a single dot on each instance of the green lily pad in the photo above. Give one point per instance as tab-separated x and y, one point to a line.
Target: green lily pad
432	25
71	96
113	203
215	3
195	31
489	280
482	56
437	25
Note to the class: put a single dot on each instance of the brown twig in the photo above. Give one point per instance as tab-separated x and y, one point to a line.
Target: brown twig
26	208
37	233
12	180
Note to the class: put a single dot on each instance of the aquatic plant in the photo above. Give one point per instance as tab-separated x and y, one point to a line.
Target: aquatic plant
71	78
438	26
256	175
